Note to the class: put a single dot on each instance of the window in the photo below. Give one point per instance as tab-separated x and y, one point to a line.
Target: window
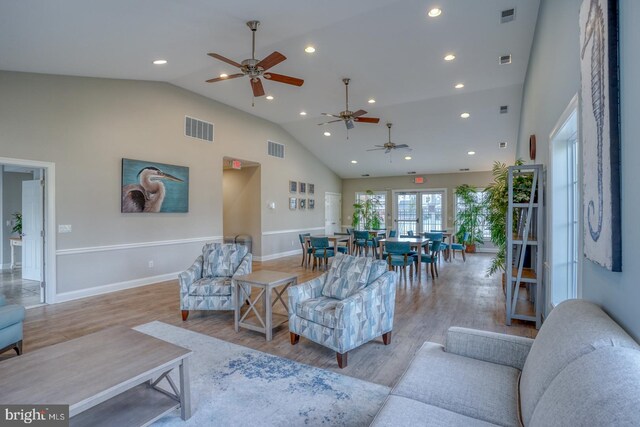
381	206
419	211
484	225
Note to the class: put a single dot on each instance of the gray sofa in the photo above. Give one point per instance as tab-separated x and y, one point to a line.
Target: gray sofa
581	370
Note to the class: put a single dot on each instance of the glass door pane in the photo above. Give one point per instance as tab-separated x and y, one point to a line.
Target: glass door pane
432	211
407	213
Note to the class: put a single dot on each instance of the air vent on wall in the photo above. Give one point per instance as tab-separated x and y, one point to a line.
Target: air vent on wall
411	173
464	170
504	59
198	129
504	109
275	149
507	16
502	144
365	175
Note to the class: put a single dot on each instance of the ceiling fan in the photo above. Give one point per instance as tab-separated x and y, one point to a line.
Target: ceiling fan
255	68
387	147
347	116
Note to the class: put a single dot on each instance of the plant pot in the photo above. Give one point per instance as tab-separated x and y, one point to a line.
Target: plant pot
470	248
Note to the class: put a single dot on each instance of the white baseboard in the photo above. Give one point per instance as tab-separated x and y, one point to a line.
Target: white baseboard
105	289
277	255
5	266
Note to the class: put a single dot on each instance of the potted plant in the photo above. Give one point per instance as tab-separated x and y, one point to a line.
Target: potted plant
497	200
468	217
366	212
17	223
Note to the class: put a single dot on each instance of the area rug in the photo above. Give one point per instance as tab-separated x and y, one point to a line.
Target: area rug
233	385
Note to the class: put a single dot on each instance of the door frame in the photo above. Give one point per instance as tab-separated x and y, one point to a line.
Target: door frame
572	107
49	255
445	202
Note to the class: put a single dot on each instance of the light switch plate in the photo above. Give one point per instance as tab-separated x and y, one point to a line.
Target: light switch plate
64	228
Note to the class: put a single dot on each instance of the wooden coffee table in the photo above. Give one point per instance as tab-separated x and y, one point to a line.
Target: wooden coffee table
268	282
107	378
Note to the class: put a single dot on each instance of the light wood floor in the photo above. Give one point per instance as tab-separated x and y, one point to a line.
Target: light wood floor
461	296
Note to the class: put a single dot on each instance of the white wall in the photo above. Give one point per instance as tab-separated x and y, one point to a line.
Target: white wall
552	79
87	125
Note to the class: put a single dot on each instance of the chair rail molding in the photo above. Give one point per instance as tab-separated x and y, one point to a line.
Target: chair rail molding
125	246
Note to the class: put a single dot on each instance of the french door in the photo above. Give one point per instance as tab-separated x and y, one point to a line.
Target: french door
419	211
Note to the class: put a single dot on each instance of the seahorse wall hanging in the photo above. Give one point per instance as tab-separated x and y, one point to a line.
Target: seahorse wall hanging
600	131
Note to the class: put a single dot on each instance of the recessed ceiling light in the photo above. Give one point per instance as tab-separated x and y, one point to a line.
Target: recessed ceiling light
465	115
449	57
224	76
435	12
159	62
309	49
471	153
327	134
303	113
459	86
354	161
270	97
372	101
407	157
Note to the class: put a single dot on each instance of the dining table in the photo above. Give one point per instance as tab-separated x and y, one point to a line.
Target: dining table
333	238
416	243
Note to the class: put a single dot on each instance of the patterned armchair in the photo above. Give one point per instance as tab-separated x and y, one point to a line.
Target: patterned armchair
208	283
346	307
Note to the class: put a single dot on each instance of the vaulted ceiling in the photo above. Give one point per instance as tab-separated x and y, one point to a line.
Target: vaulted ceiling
391	49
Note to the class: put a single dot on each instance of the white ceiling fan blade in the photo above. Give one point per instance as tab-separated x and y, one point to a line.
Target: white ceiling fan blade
402	146
331	115
375	149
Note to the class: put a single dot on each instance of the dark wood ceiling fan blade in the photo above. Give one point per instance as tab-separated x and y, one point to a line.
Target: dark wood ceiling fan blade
256	86
283	79
367	119
274	59
332	121
219	79
359	113
223	59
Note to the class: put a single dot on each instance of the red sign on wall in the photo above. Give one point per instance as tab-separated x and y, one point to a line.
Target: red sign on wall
418	180
236	164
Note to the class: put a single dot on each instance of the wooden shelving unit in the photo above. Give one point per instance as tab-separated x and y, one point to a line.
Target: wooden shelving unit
524	241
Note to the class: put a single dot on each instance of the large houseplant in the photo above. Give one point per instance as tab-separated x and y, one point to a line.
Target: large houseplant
497	200
468	216
365	212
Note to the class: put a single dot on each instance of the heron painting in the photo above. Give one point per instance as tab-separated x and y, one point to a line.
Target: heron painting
600	132
154	187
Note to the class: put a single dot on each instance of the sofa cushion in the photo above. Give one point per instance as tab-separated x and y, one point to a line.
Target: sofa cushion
601	388
211	286
320	310
470	387
347	275
222	260
402	412
11	314
572	329
378	268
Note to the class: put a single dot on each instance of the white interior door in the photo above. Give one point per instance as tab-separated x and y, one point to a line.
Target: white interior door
332	212
32	230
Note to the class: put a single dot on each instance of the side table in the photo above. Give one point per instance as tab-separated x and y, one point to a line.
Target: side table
268	282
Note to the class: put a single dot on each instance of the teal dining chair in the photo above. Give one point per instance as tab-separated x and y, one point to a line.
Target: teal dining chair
432	257
321	251
453	247
399	255
363	241
306	250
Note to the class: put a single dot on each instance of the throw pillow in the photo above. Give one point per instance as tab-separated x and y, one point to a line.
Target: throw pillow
348	274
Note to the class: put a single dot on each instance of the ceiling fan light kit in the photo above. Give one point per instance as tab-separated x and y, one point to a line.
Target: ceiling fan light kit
255	68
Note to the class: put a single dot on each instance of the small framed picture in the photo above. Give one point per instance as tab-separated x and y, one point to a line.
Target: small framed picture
303	188
311	188
293	202
303	203
312	203
293	186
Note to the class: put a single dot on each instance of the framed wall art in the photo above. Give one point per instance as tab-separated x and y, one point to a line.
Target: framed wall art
311	188
303	188
600	126
153	187
312	203
303	203
293	186
293	202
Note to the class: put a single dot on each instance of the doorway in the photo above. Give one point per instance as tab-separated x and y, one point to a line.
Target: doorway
241	202
419	211
564	225
332	212
26	215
